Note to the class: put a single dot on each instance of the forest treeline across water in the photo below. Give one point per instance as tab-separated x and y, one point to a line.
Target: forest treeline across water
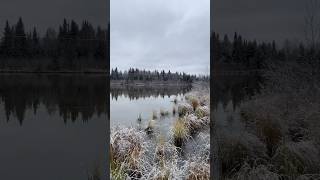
135	74
72	47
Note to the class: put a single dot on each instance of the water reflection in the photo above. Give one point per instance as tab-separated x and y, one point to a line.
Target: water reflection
138	101
233	89
136	92
73	97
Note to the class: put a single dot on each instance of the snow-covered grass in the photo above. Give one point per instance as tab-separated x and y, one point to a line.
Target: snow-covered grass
134	155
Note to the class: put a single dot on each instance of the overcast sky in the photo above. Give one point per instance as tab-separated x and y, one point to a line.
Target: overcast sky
161	34
50	13
261	19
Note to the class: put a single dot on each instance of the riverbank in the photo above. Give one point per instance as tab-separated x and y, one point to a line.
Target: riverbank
181	154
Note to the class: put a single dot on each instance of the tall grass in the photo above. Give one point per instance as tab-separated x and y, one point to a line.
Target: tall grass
194	103
180	132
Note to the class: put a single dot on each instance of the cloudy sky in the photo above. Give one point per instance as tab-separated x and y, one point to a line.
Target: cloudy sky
260	19
50	13
160	34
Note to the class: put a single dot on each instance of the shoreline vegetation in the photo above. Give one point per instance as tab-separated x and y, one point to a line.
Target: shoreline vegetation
139	83
280	137
146	154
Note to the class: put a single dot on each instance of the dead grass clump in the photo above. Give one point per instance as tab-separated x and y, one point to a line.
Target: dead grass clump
194	103
184	109
125	150
193	123
198	170
180	132
202	111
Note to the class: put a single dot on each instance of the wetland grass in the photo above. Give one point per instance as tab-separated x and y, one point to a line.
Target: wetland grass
164	113
194	103
180	132
184	109
135	156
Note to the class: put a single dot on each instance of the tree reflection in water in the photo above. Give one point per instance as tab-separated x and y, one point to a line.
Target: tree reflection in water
72	96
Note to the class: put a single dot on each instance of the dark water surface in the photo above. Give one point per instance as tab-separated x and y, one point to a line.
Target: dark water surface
228	94
52	127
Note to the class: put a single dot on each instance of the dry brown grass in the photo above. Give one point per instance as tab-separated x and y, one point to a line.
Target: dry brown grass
180	131
194	103
198	171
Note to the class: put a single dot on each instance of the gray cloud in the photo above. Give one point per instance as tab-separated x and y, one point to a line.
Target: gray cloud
157	34
50	13
263	19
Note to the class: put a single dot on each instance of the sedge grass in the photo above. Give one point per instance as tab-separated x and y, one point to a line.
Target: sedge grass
194	103
180	131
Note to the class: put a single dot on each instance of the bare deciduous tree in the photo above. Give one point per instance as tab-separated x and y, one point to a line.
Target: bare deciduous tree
312	22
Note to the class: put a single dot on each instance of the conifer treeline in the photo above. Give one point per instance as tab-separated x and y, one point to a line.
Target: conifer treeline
146	75
251	54
61	47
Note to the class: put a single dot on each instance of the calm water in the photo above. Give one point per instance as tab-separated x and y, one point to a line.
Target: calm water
127	103
227	95
52	126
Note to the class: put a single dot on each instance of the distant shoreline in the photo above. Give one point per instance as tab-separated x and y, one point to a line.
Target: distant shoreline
147	83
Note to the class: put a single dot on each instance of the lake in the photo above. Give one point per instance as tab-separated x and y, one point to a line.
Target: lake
52	126
128	103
